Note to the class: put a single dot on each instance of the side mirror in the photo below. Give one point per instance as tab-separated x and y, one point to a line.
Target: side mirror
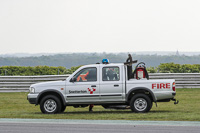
73	79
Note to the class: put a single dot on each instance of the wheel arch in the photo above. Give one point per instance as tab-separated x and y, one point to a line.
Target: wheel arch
51	92
142	90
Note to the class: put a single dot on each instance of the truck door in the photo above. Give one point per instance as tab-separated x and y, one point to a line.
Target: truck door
111	85
84	86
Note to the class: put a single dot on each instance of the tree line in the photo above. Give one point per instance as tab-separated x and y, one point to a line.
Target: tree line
47	70
175	68
36	70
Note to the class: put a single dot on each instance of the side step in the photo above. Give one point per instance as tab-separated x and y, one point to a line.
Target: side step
116	106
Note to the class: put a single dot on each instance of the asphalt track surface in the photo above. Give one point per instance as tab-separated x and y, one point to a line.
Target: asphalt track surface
95	126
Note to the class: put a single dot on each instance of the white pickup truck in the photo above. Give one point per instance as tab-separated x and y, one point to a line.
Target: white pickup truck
109	85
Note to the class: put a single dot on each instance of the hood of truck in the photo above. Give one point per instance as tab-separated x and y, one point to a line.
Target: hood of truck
49	83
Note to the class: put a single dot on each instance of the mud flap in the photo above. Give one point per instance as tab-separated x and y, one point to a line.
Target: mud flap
175	101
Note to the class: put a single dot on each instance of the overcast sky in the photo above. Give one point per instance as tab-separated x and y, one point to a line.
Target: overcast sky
53	26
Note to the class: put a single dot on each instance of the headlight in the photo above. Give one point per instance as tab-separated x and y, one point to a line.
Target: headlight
32	90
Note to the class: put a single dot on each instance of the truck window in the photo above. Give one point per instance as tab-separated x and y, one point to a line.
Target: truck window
110	74
86	75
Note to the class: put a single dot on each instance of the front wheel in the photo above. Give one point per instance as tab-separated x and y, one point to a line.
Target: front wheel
63	109
140	103
50	104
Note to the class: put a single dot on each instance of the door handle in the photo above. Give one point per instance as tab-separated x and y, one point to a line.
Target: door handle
93	86
116	85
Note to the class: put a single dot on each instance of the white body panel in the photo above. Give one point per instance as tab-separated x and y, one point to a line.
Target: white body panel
55	85
78	92
159	93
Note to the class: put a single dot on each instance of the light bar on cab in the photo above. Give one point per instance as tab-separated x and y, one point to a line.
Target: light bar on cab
105	61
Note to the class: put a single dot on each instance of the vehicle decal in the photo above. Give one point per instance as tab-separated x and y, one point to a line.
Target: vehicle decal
81	91
161	86
91	90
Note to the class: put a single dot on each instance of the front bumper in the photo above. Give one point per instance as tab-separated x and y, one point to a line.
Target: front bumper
32	98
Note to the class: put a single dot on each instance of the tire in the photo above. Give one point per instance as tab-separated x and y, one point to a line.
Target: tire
140	103
63	109
50	104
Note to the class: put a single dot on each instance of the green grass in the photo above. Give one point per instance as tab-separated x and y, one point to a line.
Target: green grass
15	105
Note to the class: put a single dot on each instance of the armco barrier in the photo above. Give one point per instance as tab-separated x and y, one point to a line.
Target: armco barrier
22	83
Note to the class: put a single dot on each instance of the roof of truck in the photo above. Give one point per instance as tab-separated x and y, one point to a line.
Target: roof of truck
110	64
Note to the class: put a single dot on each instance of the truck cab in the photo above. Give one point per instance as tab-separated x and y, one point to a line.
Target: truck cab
96	83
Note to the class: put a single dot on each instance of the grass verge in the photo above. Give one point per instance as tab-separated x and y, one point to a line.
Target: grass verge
15	105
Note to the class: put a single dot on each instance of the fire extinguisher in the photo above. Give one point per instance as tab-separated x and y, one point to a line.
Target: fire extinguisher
140	71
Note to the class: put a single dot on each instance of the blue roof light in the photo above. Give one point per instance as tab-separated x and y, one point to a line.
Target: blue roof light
105	61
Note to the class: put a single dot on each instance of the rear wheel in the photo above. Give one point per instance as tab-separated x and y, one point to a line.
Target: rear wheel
140	103
50	104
